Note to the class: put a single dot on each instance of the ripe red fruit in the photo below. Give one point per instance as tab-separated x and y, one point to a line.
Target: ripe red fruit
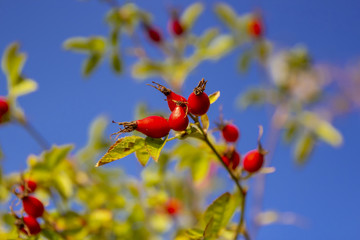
4	107
30	186
253	161
230	133
32	226
33	206
153	126
178	119
171	97
175	27
233	160
173	206
198	101
255	28
153	34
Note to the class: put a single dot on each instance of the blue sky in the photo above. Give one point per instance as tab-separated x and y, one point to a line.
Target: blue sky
325	191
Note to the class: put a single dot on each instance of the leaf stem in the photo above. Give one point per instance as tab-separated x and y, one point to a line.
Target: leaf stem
234	178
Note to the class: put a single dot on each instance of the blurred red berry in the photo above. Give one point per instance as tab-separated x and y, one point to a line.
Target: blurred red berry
31	226
153	34
230	133
30	186
176	27
253	161
255	28
33	206
4	107
233	160
173	206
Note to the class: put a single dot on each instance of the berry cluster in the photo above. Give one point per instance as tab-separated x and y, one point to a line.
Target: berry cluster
4	108
32	206
176	28
252	161
197	104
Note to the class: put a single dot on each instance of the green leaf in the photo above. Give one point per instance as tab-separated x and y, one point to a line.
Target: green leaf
116	62
195	233
190	15
12	64
122	148
205	39
90	64
94	45
209	229
64	185
226	14
215	212
214	96
244	61
205	122
220	46
56	155
142	156
323	129
23	87
144	69
154	146
304	147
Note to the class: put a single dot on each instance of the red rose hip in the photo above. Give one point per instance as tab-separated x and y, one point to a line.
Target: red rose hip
33	206
153	126
171	97
178	119
173	206
230	133
30	226
152	33
198	101
255	28
4	107
233	160
30	186
253	161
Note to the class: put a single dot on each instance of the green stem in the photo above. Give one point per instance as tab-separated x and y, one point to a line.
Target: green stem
35	135
242	192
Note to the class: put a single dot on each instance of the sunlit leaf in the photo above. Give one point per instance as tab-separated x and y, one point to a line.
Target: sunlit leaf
116	62
205	39
205	122
64	185
94	45
195	234
244	61
142	156
56	154
190	15
252	97
304	147
90	64
226	14
214	96
215	212
323	129
220	46
154	146
145	69
122	148
24	87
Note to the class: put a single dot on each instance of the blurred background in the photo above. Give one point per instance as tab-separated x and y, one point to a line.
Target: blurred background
323	193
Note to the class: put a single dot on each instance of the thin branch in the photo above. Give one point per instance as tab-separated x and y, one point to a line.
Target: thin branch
35	135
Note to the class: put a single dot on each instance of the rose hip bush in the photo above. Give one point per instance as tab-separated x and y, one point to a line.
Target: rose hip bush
64	193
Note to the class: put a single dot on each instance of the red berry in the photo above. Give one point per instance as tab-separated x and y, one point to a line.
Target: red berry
4	107
153	126
198	104
153	34
32	226
230	133
233	160
33	206
253	161
173	206
255	28
175	27
172	98
178	119
30	186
